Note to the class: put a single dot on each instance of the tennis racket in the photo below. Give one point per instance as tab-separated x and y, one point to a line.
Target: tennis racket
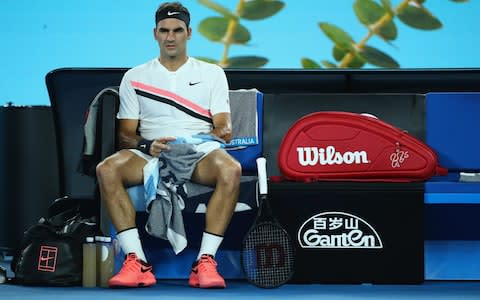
267	254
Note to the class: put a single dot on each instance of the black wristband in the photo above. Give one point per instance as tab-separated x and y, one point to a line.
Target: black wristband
144	146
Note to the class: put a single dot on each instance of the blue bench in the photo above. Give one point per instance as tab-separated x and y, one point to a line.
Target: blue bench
452	252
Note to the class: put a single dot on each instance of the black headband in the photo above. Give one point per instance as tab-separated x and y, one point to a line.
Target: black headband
172	13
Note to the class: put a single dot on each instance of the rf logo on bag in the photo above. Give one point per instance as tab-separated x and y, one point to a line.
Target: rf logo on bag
47	259
398	157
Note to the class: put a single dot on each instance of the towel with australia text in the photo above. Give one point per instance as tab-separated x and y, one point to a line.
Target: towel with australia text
243	106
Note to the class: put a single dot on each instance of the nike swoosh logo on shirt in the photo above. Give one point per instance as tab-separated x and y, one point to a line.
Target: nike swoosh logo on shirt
193	83
147	269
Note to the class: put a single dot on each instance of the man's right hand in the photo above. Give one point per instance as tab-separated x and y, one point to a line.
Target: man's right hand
160	145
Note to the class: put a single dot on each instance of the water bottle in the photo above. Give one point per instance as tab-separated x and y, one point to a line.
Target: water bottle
89	272
98	243
106	261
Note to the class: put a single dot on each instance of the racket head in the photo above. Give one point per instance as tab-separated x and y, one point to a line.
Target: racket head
267	255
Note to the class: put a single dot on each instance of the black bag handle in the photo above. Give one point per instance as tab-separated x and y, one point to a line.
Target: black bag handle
62	211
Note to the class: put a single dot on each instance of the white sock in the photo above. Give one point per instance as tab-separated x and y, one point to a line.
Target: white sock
210	244
129	241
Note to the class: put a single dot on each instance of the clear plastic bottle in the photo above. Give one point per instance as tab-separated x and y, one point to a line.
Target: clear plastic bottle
106	261
98	243
89	272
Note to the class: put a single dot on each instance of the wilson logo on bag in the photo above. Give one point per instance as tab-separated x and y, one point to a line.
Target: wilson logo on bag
347	146
310	156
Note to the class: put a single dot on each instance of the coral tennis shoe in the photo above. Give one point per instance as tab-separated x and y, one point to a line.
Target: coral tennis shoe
204	274
134	273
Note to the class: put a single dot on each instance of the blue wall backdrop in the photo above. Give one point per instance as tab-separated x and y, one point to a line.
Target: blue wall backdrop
38	36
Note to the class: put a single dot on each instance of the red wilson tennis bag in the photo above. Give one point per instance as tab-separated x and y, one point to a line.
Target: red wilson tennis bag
345	146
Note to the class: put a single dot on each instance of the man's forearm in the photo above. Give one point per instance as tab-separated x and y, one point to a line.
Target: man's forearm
128	141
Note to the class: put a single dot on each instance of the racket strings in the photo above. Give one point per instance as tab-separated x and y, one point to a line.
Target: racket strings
268	256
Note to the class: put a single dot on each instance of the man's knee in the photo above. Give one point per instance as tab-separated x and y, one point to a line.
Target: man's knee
107	169
112	167
230	172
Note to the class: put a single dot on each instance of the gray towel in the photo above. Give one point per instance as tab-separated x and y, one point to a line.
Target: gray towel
243	107
165	218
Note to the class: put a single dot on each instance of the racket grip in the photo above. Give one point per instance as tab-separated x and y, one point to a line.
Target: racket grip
262	175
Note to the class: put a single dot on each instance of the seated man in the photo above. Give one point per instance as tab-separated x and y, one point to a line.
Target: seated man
169	96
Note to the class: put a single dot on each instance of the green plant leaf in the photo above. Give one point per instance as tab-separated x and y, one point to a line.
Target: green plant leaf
207	59
246	62
388	31
215	28
329	64
241	35
356	62
378	58
419	17
337	35
308	63
338	53
260	9
387	4
218	8
368	11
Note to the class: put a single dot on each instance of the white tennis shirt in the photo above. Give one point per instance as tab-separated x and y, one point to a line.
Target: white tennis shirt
179	103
